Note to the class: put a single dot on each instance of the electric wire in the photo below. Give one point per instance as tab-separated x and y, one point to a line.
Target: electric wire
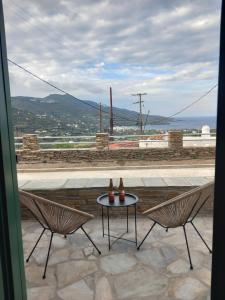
96	108
62	90
56	41
41	30
187	106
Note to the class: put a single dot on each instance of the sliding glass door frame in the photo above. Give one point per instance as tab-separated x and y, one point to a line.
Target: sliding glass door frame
12	278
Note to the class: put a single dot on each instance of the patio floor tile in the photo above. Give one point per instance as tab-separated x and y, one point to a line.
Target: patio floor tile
158	271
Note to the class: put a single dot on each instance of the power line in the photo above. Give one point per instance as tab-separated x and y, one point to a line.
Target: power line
56	41
96	108
52	85
140	101
41	30
111	112
194	102
190	105
61	90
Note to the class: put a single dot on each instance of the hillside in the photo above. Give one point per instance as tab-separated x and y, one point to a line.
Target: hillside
64	115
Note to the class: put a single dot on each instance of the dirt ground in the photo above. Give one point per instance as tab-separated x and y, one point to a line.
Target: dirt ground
104	164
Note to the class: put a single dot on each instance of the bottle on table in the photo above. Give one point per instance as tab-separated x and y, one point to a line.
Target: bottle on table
121	191
111	191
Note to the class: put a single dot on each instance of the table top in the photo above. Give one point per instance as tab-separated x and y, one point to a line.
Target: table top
130	199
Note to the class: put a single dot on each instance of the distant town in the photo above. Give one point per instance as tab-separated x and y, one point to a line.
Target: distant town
58	115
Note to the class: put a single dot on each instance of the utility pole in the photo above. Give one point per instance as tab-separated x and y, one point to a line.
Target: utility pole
140	101
100	117
111	113
146	119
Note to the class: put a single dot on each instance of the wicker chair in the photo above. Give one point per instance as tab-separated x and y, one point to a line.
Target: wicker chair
54	217
180	211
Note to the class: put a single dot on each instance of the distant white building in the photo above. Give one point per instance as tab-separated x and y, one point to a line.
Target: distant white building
161	141
205	131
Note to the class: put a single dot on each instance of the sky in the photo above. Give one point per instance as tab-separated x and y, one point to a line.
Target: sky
168	49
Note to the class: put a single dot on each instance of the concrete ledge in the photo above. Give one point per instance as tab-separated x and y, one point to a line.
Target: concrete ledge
82	193
51	184
65	169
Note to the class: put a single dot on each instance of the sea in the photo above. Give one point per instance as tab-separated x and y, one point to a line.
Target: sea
189	123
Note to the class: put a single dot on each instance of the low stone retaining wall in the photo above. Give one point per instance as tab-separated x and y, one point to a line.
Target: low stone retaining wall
85	199
71	155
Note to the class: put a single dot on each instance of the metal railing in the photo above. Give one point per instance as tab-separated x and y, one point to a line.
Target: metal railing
156	140
67	141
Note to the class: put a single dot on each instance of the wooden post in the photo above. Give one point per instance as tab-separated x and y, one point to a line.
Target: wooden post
100	117
111	114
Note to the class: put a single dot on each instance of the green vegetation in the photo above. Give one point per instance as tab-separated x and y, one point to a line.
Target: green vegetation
59	115
70	146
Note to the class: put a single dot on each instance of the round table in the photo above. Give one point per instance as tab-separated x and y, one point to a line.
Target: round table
130	200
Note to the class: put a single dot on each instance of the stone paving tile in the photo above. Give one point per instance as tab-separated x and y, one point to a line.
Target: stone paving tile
117	263
44	184
103	290
43	292
187	288
76	291
179	266
141	282
75	183
197	181
209	178
153	181
59	256
71	271
157	257
66	183
158	271
176	181
130	182
98	182
21	183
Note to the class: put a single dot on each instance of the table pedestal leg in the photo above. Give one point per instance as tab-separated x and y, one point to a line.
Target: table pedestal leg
135	222
108	228
103	231
127	219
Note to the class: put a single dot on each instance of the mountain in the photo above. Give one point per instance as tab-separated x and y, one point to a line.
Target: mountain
65	115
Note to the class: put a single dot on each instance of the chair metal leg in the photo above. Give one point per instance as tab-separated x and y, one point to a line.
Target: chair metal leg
109	241
99	252
189	254
201	236
167	229
127	220
49	248
146	236
35	245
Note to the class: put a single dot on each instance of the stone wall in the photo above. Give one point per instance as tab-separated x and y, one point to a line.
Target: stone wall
102	141
31	152
30	142
175	139
91	155
85	199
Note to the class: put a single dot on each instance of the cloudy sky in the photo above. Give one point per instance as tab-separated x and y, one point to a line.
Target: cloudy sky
166	48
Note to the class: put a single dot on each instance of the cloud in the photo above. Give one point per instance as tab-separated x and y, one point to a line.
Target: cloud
168	49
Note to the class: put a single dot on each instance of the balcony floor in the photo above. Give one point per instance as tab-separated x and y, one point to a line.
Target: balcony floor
160	270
